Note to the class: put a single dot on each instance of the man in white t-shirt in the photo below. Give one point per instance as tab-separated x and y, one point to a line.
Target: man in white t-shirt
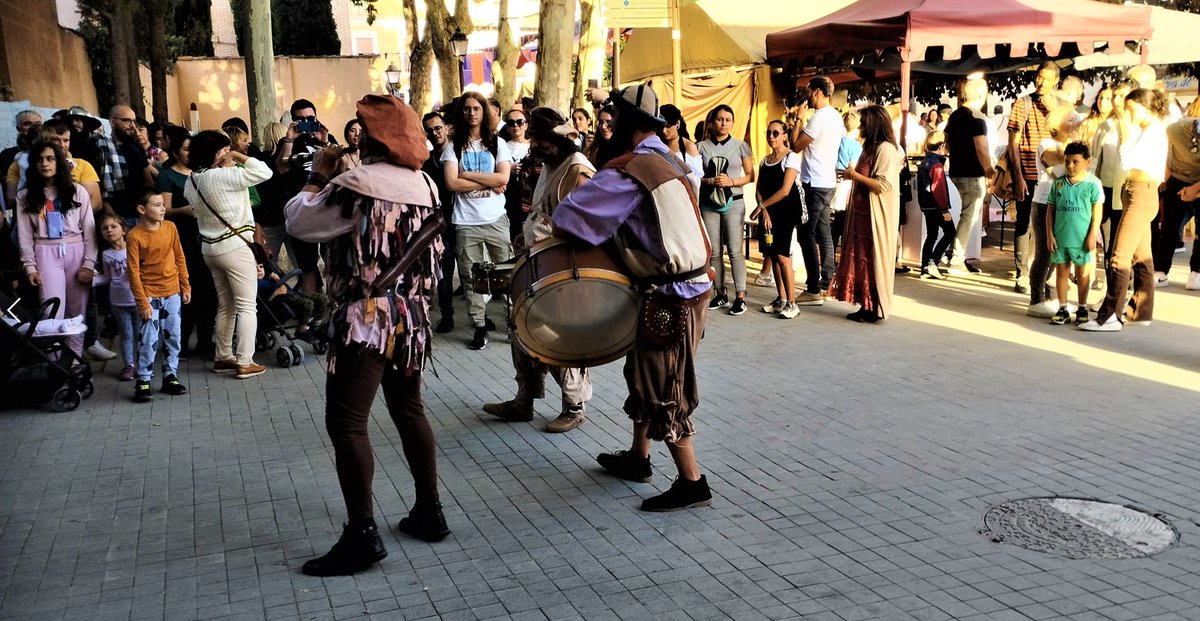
476	164
818	140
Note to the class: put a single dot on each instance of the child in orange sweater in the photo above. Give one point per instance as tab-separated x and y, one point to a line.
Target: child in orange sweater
158	278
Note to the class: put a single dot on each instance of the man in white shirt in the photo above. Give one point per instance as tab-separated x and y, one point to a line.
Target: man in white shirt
476	164
818	140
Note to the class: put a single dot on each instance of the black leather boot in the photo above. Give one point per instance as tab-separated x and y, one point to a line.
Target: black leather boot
359	548
425	522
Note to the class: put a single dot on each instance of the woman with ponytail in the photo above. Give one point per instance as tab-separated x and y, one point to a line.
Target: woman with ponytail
1142	137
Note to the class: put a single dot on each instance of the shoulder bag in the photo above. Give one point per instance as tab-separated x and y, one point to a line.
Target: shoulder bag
261	255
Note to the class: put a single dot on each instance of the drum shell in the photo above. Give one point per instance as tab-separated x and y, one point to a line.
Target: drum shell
572	306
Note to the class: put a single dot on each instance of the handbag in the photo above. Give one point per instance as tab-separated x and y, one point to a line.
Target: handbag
261	256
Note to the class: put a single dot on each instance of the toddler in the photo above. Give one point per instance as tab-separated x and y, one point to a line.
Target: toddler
120	296
307	307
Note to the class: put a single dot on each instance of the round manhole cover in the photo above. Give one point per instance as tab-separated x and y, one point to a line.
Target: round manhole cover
1078	528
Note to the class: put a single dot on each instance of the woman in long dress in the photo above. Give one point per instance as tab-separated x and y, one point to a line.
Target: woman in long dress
866	272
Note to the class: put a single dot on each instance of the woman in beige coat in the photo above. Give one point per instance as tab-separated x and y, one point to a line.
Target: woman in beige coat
865	274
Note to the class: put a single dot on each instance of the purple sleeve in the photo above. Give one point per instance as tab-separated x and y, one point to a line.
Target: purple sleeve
595	210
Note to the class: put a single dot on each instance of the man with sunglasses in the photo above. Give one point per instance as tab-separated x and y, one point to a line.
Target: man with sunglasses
1179	196
305	136
125	175
819	141
437	134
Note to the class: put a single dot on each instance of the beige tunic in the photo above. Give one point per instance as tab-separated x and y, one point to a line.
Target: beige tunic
885	222
552	186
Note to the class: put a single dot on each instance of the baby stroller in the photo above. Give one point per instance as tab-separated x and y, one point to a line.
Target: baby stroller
279	319
39	368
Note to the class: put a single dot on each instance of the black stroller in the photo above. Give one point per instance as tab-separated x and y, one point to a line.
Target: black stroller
38	369
276	321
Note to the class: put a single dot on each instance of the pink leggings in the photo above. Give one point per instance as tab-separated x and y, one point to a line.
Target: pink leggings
57	265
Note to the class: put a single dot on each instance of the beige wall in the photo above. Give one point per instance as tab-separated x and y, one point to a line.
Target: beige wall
218	87
41	61
175	114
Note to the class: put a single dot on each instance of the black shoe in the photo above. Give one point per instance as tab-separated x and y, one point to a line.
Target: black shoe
426	523
739	307
489	325
303	335
1061	317
1020	288
626	465
972	268
480	341
902	269
682	495
171	386
718	301
445	325
142	391
1081	316
357	549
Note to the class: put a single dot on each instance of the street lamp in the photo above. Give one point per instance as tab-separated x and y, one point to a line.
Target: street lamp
392	75
458	41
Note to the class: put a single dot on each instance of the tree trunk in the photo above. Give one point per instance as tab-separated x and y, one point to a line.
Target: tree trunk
555	33
441	26
260	65
504	67
137	99
122	92
591	51
420	60
156	14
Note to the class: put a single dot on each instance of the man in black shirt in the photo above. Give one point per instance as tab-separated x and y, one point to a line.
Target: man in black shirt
436	133
970	163
305	135
125	176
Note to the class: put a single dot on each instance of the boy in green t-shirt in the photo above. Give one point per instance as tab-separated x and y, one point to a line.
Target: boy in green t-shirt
1072	225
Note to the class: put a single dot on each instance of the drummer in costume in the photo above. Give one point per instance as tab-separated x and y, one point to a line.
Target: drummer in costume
380	224
643	202
553	141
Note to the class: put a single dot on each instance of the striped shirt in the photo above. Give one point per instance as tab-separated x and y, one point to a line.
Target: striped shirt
1028	118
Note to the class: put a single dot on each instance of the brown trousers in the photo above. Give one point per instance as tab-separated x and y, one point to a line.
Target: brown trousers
349	393
1132	256
663	390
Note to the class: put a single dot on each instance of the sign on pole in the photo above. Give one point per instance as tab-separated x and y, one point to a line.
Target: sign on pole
640	13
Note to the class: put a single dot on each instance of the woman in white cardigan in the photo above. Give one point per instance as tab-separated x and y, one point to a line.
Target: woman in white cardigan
219	192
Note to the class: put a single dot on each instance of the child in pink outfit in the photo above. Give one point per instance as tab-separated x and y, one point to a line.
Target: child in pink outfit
57	233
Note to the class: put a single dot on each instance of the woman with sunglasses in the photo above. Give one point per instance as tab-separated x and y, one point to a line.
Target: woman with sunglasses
779	206
516	199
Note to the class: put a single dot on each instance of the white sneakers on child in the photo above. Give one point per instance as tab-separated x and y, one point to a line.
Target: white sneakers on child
1112	324
1043	310
1160	280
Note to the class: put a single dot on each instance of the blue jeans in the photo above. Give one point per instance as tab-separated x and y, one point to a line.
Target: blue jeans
817	237
127	318
164	320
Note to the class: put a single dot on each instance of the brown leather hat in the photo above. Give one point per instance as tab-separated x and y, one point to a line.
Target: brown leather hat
393	125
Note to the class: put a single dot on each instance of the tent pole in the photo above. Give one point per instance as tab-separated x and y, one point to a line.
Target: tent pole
616	58
676	56
905	97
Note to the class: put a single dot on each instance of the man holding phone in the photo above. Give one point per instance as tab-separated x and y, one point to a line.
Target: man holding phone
293	161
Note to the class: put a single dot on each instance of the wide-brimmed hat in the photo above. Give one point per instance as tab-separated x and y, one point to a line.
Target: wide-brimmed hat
395	126
545	120
639	99
79	113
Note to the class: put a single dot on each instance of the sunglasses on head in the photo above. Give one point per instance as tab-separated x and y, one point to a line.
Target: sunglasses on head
771	133
517	122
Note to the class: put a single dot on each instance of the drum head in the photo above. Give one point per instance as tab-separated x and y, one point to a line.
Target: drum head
576	323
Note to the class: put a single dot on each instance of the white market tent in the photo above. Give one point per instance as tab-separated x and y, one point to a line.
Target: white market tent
1173	41
723	46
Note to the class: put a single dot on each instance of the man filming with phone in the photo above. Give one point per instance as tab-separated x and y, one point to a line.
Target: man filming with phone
293	161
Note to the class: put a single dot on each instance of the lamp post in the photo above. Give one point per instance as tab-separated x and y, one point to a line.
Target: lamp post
392	75
458	41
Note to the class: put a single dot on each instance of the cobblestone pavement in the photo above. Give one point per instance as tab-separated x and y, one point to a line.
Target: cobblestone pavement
851	467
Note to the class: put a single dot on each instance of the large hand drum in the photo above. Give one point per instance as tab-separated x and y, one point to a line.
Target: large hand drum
572	307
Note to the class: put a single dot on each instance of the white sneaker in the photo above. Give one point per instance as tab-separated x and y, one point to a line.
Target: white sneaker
1111	325
774	307
100	352
1043	310
789	311
810	299
1193	283
765	280
1160	280
932	271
